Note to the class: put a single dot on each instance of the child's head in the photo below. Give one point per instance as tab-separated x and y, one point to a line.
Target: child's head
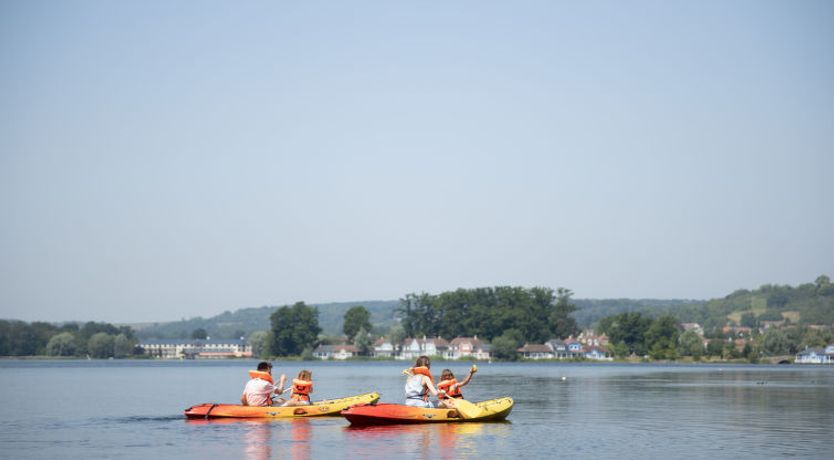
446	375
423	361
305	375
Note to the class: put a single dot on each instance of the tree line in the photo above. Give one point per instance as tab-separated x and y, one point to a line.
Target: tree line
635	334
507	316
97	340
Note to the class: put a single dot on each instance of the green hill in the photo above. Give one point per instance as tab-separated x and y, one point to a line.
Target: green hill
806	304
243	322
810	303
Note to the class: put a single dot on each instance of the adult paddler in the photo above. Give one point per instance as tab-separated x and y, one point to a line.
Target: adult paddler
419	384
260	388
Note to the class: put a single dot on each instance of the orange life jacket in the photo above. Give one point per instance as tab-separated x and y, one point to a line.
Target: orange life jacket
451	390
423	370
261	375
301	390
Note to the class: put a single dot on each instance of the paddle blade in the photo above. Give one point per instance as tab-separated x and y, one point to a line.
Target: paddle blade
466	408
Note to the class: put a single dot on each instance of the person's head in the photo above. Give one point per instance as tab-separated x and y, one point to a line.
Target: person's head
423	361
446	375
305	375
264	366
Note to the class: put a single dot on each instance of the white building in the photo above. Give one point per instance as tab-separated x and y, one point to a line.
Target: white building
202	349
461	347
340	352
383	348
814	356
413	348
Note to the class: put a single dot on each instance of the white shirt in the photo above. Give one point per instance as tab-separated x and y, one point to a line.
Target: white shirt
258	392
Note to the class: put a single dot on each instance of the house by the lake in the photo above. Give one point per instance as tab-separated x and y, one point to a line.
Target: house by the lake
413	348
535	351
340	352
197	349
461	347
815	356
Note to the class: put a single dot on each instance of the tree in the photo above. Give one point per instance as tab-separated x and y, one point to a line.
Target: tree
122	346
363	341
260	341
396	335
294	329
661	338
100	345
749	320
356	318
824	287
420	315
620	350
690	344
562	324
715	347
504	348
199	334
775	342
62	344
628	328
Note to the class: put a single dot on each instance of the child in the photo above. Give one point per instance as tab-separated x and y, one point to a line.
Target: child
450	385
302	386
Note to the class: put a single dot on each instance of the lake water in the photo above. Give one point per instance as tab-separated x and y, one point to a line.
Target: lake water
133	409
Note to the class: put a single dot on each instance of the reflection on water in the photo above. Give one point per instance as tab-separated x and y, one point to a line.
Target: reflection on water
292	435
425	441
258	441
302	438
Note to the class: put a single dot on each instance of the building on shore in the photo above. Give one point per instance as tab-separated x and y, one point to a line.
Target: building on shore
340	352
816	355
196	349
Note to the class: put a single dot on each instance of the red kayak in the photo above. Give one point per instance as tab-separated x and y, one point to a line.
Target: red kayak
390	414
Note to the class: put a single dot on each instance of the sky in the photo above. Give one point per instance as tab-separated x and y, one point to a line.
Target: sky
168	159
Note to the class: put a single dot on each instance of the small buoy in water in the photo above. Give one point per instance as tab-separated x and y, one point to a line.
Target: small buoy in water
564	378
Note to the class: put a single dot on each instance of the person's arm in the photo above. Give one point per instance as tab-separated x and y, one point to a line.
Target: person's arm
434	391
465	381
243	400
280	388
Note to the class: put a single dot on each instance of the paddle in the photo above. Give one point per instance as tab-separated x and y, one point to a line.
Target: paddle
466	408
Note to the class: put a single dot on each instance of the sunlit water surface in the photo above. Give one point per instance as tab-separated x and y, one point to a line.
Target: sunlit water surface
133	409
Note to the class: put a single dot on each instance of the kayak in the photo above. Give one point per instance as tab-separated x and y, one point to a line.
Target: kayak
389	414
317	408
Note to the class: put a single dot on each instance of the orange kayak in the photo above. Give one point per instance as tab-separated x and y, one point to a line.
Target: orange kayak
318	408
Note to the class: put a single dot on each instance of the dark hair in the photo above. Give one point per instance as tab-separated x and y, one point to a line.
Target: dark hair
446	374
264	366
305	375
423	361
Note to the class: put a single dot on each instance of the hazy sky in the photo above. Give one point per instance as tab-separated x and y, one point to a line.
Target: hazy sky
168	159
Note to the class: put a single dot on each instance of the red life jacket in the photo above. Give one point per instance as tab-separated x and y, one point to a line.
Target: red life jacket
451	390
301	390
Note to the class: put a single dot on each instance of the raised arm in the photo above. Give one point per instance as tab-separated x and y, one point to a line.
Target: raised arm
465	381
280	388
